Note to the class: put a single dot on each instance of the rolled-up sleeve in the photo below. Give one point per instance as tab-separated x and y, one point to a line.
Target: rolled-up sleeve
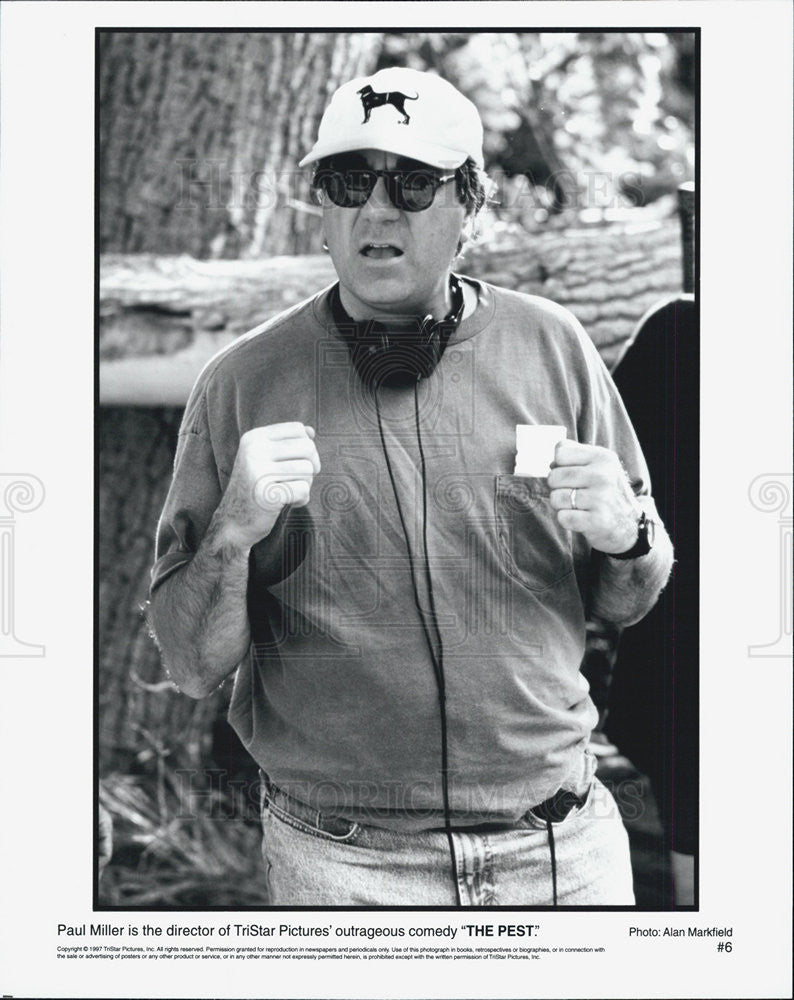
193	496
606	422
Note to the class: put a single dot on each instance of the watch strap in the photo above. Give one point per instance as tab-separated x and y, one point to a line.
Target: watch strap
643	544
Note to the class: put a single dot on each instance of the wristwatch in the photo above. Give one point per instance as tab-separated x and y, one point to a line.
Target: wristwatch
645	534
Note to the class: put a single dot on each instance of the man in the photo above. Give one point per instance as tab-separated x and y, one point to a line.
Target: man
345	529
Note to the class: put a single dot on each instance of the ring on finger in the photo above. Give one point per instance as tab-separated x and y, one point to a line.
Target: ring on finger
573	499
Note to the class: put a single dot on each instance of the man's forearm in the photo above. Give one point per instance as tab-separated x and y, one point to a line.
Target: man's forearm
624	591
198	615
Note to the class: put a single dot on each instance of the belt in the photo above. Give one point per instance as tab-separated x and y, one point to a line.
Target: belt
558	806
554	809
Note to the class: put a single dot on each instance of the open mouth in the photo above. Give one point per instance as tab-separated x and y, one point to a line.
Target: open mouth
381	251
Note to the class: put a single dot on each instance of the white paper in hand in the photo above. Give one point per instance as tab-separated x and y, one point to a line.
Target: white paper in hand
535	444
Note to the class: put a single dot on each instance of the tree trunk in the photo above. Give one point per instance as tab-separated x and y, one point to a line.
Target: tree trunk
201	132
140	712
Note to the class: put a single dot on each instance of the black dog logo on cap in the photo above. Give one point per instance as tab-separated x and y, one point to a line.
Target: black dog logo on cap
372	99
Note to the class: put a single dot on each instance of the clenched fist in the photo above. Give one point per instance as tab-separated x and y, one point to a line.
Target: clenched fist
274	467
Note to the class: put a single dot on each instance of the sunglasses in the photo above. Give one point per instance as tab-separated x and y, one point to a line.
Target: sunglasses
411	190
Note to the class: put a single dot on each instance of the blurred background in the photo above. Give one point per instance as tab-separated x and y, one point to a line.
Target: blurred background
206	228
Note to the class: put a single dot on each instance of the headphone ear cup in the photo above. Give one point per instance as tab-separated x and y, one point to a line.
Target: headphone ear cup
384	357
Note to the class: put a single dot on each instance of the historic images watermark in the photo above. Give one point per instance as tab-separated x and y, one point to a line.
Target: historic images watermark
216	794
20	493
771	493
212	184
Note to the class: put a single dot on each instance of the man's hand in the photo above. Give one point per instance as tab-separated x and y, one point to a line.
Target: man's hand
274	467
605	509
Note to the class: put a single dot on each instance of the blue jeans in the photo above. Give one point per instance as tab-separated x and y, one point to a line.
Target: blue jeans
312	859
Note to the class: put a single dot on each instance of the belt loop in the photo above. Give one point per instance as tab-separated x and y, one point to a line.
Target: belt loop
264	790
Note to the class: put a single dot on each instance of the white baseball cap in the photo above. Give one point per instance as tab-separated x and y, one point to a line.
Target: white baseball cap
401	111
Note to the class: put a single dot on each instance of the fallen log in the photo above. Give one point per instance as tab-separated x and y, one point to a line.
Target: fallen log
162	318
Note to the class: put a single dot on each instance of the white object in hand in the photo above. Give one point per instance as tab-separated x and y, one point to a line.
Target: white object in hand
535	444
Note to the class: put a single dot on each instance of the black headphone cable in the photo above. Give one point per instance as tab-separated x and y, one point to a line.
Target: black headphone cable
437	659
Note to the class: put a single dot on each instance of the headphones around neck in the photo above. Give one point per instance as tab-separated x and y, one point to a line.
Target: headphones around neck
400	353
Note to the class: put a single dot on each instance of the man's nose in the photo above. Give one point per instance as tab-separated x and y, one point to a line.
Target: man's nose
379	203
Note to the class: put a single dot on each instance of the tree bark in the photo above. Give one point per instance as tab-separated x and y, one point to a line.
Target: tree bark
140	712
200	134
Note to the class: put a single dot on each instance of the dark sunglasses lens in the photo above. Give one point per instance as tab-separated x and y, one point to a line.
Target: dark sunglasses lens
349	189
417	191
